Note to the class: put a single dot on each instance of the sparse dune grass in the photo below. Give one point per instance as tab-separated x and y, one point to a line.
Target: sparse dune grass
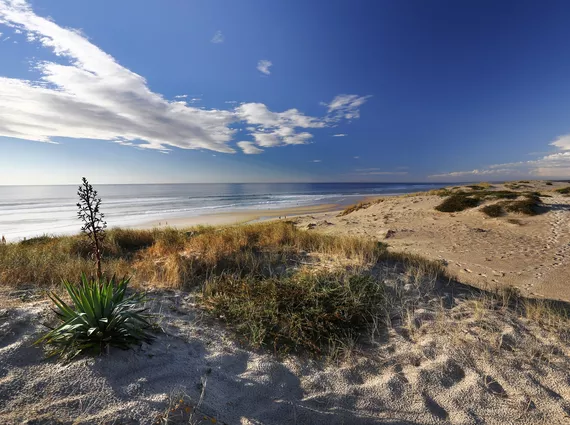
493	210
563	190
311	312
360	206
457	202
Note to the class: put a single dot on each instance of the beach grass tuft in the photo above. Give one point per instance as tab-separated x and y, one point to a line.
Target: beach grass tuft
493	210
457	202
308	312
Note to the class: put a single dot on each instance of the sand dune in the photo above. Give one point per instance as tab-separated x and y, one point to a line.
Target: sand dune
532	254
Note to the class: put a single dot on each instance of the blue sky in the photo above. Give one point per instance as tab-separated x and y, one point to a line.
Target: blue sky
226	91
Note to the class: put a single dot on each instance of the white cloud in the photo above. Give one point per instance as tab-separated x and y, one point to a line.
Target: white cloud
340	135
263	66
562	142
552	165
87	94
181	96
249	148
316	160
345	106
231	101
277	128
356	157
217	38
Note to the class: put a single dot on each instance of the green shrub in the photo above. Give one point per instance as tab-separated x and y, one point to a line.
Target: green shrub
302	312
564	190
548	183
457	202
529	206
101	317
494	210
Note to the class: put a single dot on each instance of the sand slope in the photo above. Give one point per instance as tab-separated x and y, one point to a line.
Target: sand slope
459	369
533	256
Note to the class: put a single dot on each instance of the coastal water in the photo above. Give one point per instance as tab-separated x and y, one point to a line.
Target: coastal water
27	211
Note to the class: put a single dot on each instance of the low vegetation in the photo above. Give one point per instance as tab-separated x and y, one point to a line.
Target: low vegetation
101	316
360	206
457	202
528	206
311	312
493	210
564	190
460	201
175	258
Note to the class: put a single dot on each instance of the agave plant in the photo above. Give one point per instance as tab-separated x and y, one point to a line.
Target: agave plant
102	316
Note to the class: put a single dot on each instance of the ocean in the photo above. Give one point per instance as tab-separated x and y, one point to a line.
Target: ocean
28	211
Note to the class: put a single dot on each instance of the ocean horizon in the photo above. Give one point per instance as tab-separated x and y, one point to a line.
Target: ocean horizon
29	211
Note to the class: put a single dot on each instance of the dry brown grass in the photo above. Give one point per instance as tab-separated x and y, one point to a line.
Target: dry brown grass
360	206
175	258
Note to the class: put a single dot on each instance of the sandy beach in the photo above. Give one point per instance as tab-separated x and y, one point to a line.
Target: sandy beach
241	217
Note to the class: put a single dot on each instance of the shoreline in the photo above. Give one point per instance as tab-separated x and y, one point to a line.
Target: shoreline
241	217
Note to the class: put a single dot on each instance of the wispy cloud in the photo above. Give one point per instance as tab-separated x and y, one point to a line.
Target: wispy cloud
555	164
87	94
181	96
345	106
263	66
249	148
340	135
356	157
316	160
218	38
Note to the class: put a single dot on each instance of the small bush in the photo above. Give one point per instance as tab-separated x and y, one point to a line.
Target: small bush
457	202
303	312
528	206
101	317
564	190
494	210
548	183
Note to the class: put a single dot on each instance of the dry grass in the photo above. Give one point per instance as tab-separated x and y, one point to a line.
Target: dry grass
360	206
175	258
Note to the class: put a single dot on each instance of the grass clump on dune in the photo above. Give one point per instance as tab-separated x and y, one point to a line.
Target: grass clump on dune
494	210
312	312
528	206
360	206
457	202
564	190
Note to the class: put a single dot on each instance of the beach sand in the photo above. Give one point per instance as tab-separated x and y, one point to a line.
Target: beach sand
458	368
531	253
241	217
